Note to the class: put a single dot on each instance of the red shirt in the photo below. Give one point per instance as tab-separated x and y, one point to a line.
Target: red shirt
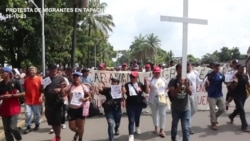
32	87
10	106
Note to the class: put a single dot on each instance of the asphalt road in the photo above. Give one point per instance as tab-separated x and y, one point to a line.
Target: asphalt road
96	129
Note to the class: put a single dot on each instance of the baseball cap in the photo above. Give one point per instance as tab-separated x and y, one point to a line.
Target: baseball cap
115	79
216	64
147	66
102	65
85	70
156	69
134	74
235	61
124	64
77	73
7	69
52	66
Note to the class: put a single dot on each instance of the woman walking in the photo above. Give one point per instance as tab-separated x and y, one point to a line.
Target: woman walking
78	95
157	100
112	106
134	91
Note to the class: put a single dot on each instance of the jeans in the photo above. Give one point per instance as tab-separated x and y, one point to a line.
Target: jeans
193	105
134	113
158	113
31	110
113	119
184	116
10	128
213	102
239	102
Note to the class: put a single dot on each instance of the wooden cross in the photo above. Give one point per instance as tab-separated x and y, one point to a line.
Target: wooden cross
185	20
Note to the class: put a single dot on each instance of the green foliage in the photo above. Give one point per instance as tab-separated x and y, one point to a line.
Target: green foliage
224	55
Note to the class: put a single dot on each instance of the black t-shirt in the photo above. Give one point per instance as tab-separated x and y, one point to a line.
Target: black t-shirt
179	102
116	102
11	85
49	92
240	89
134	100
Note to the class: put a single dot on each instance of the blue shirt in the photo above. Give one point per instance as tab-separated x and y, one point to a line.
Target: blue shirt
86	79
214	89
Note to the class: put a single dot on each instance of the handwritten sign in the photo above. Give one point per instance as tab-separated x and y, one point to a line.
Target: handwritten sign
116	91
46	81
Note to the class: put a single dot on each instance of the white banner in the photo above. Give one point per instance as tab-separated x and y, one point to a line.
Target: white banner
168	73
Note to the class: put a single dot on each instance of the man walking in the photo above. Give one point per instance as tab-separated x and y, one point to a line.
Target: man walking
10	91
33	99
215	96
54	100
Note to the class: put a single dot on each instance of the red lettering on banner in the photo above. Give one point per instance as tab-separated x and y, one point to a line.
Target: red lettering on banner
202	100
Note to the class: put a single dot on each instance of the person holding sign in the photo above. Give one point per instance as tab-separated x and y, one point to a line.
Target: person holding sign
77	95
180	91
158	101
53	86
134	102
112	106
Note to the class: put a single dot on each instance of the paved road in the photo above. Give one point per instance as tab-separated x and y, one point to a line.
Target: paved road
96	129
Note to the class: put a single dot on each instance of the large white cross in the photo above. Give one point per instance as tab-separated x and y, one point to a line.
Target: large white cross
185	20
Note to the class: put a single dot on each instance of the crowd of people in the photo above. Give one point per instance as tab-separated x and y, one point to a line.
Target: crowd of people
62	93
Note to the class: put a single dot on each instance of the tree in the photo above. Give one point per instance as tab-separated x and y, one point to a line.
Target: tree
95	21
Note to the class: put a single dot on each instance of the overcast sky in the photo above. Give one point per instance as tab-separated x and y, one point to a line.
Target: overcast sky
228	24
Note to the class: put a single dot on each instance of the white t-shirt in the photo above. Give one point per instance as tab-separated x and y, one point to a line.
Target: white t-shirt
157	86
194	79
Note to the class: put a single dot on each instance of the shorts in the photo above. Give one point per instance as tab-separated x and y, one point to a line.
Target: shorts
74	114
54	116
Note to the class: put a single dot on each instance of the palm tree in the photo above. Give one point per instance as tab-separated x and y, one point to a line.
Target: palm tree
153	44
138	48
97	21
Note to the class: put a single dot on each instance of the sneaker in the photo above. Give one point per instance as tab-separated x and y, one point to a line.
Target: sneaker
36	127
245	130
214	127
191	132
56	139
117	132
231	120
138	131
131	138
27	130
63	126
51	131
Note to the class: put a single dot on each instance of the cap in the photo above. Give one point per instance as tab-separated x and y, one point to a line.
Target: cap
102	65
157	69
239	66
216	64
85	70
147	66
124	64
134	74
52	66
235	61
7	69
115	79
77	73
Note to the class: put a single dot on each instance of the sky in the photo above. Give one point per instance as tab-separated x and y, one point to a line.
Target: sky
228	24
